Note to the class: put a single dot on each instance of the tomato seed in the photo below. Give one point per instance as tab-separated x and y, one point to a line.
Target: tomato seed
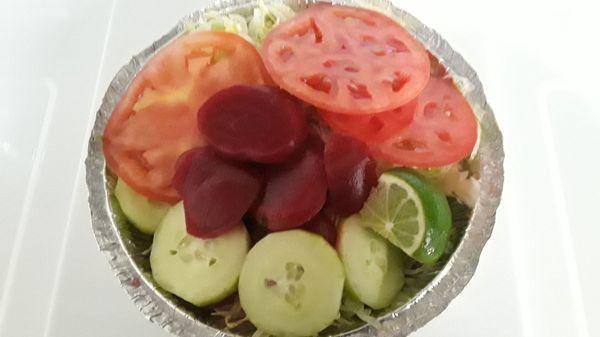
359	91
319	82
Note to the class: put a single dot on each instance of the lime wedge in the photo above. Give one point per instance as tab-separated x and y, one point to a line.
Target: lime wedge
410	213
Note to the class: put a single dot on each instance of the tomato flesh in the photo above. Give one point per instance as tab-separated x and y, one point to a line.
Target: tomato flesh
346	60
156	119
444	130
371	128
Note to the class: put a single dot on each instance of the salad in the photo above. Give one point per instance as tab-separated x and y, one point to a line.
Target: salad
294	173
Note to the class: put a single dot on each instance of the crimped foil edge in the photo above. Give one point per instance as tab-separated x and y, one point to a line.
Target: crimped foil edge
427	304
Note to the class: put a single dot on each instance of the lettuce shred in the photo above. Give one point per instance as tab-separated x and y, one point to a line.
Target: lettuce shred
231	315
265	17
232	23
253	26
458	180
352	308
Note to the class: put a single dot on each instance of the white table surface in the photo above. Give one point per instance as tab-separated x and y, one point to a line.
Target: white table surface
538	275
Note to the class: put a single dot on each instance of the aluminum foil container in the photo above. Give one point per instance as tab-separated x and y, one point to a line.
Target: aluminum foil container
127	252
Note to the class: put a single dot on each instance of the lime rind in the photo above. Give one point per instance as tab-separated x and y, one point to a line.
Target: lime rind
437	214
395	211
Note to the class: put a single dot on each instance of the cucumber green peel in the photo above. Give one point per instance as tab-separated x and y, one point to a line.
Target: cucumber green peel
373	266
291	284
143	213
200	271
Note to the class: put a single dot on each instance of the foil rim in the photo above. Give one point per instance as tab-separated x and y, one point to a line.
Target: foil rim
427	304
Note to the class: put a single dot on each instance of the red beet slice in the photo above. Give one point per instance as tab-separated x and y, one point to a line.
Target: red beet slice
253	123
294	192
350	174
324	226
216	193
182	166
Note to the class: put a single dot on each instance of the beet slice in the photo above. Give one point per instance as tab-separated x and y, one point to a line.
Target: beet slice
351	174
253	123
296	191
323	225
182	166
216	193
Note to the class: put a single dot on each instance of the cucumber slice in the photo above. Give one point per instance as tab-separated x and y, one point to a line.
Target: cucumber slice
200	271
143	213
292	284
374	273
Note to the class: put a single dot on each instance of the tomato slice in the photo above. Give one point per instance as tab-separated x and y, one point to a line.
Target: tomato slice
156	118
346	60
371	128
444	130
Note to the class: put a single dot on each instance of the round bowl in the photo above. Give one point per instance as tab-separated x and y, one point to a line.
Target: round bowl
127	250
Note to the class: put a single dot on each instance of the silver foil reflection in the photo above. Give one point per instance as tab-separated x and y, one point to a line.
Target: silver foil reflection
126	256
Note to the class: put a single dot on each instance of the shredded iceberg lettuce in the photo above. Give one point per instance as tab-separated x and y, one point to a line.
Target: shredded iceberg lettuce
352	307
253	26
265	17
231	314
387	10
458	180
232	23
